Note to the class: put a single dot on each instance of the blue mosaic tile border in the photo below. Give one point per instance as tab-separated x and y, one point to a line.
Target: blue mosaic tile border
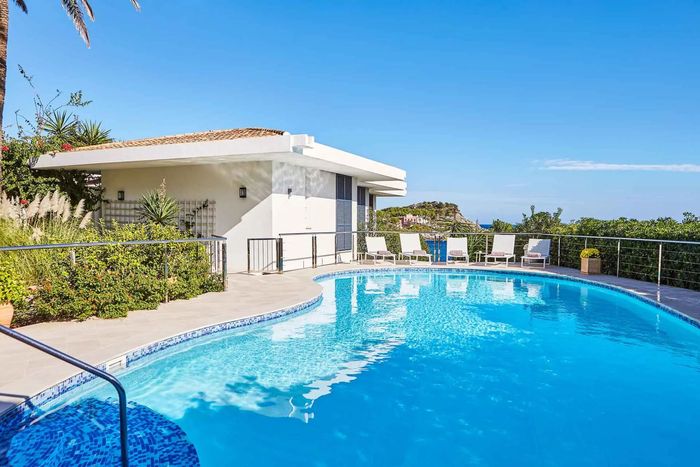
519	272
13	417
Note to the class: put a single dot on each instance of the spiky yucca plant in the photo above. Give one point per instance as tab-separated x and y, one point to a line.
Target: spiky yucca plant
92	133
159	208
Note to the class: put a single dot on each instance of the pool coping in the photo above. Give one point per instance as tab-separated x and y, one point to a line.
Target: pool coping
18	413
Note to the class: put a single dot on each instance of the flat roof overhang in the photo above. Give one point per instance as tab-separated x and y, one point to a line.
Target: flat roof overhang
301	150
385	188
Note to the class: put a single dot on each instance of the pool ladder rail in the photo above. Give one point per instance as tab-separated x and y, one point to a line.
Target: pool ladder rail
90	369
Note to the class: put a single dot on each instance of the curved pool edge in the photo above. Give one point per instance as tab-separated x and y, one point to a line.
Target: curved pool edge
521	272
18	413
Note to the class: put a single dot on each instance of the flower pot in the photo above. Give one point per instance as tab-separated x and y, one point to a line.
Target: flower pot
6	312
590	265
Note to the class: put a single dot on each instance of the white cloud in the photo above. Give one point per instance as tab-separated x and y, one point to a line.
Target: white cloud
571	165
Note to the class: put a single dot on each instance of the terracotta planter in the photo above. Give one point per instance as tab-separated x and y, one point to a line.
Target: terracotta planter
6	312
590	265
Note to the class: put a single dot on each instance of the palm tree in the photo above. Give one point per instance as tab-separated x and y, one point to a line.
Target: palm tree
74	9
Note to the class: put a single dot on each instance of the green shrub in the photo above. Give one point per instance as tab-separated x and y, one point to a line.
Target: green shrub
109	281
590	253
12	289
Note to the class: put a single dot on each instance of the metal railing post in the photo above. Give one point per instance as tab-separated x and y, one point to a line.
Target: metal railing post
658	276
248	250
224	265
617	273
280	255
585	243
121	392
559	251
335	248
166	272
314	251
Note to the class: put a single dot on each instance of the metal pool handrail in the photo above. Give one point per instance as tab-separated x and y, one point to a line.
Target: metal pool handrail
90	369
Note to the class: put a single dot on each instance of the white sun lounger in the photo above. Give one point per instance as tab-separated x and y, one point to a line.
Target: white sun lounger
410	248
457	247
537	250
503	248
376	248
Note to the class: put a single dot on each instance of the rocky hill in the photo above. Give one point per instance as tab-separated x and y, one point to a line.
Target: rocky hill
424	216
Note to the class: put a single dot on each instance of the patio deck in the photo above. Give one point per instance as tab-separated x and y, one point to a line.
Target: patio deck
26	371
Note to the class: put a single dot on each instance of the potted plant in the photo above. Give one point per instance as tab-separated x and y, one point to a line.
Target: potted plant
11	290
590	261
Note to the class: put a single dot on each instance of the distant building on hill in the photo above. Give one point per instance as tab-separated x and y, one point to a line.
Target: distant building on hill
409	220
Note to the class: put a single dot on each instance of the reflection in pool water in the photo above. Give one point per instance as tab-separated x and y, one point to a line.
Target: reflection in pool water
438	368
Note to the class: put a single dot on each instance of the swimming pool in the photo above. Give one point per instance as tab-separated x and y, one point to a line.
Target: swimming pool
426	367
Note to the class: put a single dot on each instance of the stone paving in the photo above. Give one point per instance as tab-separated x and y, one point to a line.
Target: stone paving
25	371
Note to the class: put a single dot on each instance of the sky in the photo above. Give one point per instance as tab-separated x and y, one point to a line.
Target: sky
591	106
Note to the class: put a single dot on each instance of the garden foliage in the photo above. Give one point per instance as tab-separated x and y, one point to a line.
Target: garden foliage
105	281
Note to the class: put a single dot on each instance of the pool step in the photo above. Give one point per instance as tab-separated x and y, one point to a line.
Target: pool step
85	433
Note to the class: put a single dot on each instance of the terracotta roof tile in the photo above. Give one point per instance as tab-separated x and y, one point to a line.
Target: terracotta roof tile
213	135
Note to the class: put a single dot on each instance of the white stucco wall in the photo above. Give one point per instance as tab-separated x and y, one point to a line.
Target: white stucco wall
310	207
237	219
267	211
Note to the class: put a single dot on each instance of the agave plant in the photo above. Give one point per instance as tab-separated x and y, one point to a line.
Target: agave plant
91	133
159	208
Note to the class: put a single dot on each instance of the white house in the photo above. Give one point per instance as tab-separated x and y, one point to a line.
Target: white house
244	183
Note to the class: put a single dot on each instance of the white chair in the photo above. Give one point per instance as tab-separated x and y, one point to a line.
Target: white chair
457	247
536	250
410	248
376	248
503	248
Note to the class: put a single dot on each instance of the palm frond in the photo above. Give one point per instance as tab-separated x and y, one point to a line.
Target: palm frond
76	14
22	6
88	10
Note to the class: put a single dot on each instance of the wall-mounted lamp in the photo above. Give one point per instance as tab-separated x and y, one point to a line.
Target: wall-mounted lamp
289	192
120	195
242	192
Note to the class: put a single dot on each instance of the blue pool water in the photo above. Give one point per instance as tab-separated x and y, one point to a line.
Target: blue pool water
439	369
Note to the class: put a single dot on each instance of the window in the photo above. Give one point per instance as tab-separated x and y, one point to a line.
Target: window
343	212
361	208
